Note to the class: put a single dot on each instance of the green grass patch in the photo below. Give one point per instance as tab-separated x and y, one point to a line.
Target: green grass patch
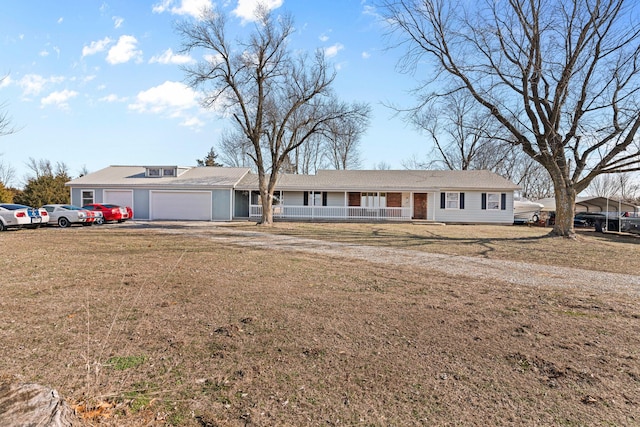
120	363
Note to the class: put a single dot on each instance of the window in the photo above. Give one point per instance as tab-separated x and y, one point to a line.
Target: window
87	197
169	172
451	200
493	201
373	200
153	171
315	198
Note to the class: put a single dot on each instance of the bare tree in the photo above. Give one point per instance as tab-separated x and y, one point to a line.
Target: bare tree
461	133
234	150
382	166
466	137
5	121
277	100
620	186
560	76
7	173
343	138
310	157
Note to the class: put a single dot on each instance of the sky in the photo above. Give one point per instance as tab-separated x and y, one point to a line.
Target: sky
98	83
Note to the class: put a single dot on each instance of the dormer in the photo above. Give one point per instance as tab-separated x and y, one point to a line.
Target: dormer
161	171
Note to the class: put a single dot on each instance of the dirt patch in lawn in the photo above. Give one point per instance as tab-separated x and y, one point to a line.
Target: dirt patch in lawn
137	326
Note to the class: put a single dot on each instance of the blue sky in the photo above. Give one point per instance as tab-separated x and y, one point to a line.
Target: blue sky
98	83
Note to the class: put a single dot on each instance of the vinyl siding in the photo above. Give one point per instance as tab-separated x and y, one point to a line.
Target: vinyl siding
221	205
473	212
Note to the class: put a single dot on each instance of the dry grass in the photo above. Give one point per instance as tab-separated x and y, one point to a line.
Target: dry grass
147	328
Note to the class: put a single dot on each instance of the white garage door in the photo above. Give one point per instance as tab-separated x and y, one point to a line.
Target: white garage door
119	197
181	205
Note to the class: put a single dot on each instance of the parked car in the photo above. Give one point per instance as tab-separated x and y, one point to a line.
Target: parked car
109	212
14	215
96	217
65	215
591	218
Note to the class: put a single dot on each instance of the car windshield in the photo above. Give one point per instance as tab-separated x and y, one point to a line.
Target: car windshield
13	207
111	206
71	208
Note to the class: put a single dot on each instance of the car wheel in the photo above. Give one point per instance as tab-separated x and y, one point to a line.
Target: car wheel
63	222
2	226
99	221
535	218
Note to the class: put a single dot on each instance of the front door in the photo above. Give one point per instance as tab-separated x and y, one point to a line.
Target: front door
420	206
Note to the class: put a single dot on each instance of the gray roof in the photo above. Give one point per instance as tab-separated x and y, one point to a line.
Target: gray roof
324	180
194	177
387	180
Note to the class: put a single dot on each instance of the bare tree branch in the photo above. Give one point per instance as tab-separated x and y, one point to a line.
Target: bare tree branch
561	77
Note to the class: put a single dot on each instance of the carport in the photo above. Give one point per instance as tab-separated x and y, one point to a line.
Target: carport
594	204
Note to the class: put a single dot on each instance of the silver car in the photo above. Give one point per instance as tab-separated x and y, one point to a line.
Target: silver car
65	215
15	216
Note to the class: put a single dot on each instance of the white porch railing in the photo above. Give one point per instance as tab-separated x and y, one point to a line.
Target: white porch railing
334	212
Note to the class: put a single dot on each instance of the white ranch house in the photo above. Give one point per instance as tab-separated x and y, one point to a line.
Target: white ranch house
225	194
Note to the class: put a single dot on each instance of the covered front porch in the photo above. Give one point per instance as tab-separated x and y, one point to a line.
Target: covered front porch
345	205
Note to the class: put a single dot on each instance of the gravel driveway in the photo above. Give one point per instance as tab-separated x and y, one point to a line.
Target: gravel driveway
514	272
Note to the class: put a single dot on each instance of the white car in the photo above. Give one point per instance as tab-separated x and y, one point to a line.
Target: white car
65	215
14	215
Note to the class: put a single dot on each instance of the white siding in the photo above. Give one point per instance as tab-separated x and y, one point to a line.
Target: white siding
473	212
335	199
293	198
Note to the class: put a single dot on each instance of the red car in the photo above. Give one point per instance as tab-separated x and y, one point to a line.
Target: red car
110	212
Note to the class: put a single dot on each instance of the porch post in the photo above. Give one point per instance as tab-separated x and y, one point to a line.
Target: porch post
345	208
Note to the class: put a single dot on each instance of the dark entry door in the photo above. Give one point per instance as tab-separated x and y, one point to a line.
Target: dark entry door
420	206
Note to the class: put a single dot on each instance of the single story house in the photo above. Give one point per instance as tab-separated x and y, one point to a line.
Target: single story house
224	194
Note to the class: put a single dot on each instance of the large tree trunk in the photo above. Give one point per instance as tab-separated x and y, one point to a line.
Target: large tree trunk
25	404
266	199
565	210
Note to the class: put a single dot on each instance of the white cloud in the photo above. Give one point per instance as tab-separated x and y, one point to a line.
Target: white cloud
246	8
192	122
58	98
112	97
33	84
162	6
323	38
117	21
213	59
124	50
44	53
95	47
60	20
332	51
366	55
168	57
169	98
183	7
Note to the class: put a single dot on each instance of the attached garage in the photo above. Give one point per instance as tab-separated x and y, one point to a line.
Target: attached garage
180	205
118	197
